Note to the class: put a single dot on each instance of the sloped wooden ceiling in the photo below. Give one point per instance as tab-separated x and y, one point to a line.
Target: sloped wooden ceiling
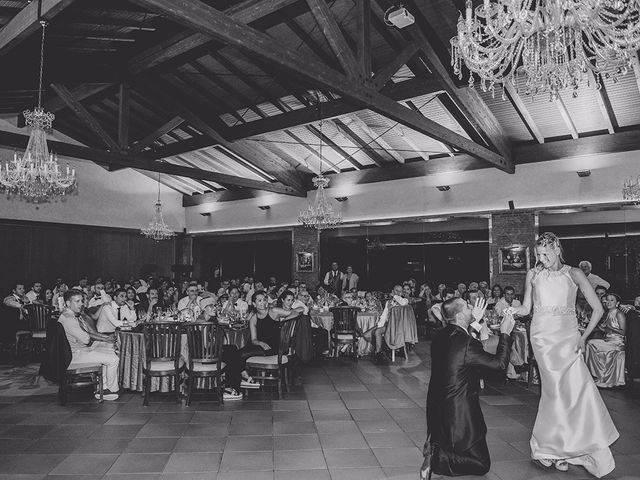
225	98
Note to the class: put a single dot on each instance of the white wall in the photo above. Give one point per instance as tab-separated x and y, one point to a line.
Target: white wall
540	185
123	199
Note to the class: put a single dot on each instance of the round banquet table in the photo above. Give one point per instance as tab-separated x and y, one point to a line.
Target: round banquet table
401	328
132	353
366	320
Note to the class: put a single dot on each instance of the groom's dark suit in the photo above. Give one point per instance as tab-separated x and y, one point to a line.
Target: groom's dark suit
455	425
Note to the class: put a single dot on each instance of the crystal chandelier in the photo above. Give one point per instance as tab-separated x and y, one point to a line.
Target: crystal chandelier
631	189
321	214
36	175
157	230
551	43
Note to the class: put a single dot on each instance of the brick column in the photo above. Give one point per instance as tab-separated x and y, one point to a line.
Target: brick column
306	240
507	229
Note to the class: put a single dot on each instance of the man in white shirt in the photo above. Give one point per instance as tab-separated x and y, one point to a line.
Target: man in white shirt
116	313
192	300
594	279
88	347
17	298
507	300
435	312
34	294
99	296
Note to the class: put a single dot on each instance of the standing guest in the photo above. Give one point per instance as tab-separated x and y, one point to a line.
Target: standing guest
594	279
333	280
461	291
34	295
88	346
508	300
350	280
573	424
456	433
116	313
377	332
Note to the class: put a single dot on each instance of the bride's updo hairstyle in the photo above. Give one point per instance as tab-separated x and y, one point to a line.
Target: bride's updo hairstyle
549	240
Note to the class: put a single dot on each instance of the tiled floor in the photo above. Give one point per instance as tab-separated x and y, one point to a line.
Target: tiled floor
346	421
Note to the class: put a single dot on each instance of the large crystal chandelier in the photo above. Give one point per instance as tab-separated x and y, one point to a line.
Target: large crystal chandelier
321	214
631	189
551	43
36	175
157	230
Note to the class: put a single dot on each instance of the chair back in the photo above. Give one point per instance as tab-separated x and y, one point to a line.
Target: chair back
203	340
162	342
38	316
345	319
287	337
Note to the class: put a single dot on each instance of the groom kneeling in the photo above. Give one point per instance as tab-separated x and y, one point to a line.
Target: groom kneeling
456	431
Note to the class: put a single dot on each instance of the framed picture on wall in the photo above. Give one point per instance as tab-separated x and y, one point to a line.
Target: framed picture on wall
513	259
304	262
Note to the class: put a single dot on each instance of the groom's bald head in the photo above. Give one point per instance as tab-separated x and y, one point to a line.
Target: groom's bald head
451	308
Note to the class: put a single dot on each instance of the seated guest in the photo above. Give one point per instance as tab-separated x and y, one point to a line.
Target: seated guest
235	302
304	300
407	293
435	312
377	332
496	295
605	357
152	305
372	304
34	295
99	296
116	313
325	299
461	291
483	288
601	291
58	295
12	319
508	300
235	376
88	346
133	300
17	298
48	297
474	286
191	301
440	295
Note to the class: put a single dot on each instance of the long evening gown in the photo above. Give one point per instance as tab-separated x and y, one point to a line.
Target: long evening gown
605	357
573	422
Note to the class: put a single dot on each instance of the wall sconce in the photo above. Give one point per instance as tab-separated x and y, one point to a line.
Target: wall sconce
583	173
443	188
264	207
342	199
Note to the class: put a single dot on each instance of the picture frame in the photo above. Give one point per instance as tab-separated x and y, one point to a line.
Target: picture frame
514	259
304	262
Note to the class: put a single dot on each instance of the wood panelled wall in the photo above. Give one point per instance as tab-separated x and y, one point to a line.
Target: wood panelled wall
32	251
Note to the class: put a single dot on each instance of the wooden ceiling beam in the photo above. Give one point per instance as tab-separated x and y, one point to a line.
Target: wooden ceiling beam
522	110
83	114
414	107
314	46
118	159
80	93
375	137
27	21
205	19
378	159
383	75
335	147
397	129
604	103
363	38
156	134
245	12
124	116
331	109
566	117
331	31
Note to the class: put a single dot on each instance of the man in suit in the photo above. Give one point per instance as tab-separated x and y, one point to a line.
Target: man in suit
456	431
333	280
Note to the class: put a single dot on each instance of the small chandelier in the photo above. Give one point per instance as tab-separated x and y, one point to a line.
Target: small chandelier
157	230
36	175
551	43
321	214
631	189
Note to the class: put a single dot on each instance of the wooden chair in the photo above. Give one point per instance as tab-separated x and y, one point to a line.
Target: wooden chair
79	376
38	317
162	347
205	351
345	329
275	368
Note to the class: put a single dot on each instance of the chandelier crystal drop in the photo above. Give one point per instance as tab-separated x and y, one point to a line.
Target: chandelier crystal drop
553	44
321	214
631	189
157	230
36	175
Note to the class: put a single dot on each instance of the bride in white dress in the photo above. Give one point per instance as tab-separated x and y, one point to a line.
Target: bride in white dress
573	424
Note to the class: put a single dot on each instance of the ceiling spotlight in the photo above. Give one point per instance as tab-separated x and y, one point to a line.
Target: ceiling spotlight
583	173
398	16
264	207
443	188
205	214
341	199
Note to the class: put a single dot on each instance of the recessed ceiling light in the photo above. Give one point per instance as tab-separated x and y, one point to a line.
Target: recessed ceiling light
443	188
264	207
583	173
341	199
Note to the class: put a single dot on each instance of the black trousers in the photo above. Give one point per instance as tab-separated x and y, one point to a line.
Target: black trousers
234	366
474	461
